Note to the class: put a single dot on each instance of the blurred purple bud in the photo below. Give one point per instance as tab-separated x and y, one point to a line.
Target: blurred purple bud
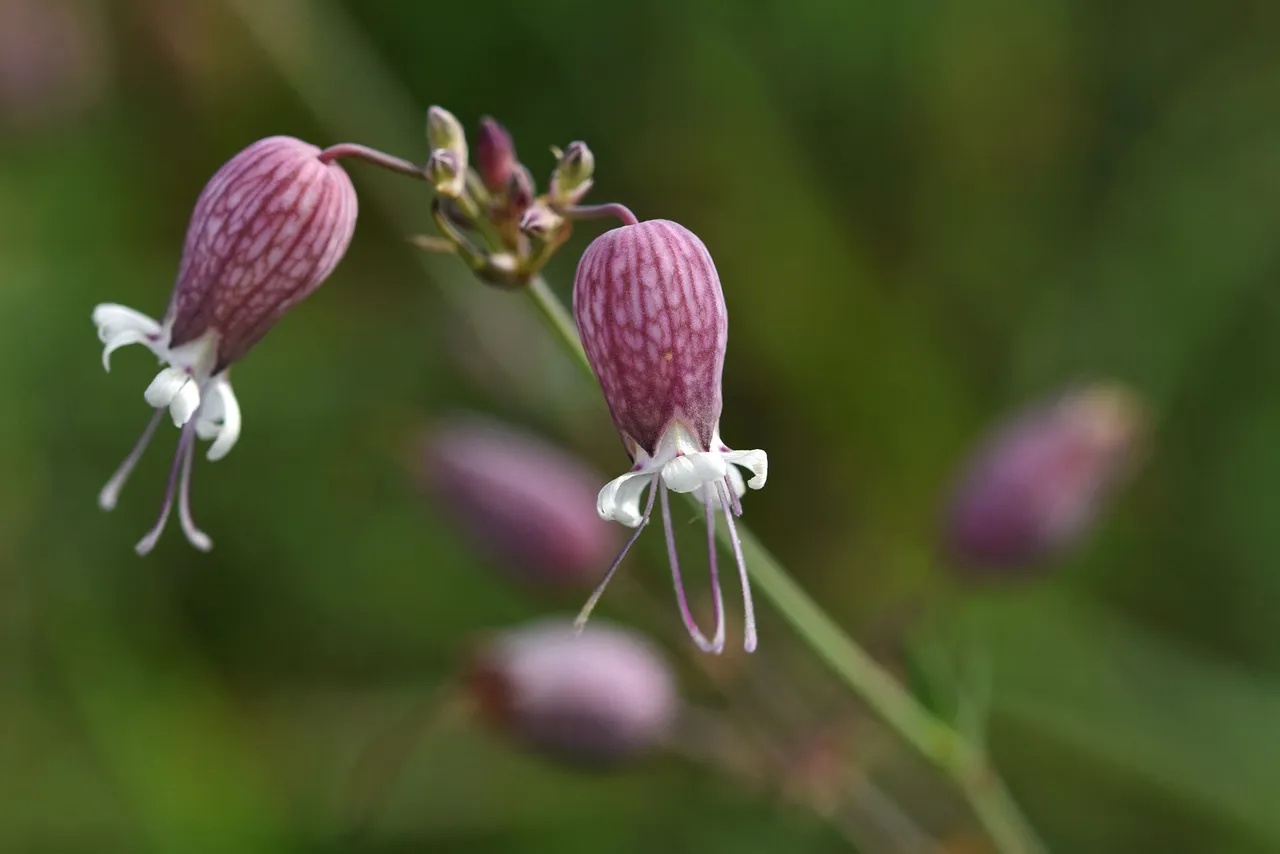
603	696
495	155
1037	484
572	177
53	61
267	230
524	503
651	313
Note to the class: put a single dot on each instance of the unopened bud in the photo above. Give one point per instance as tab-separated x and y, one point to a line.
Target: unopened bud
495	155
445	131
446	136
523	503
521	191
1036	486
446	174
604	696
572	177
541	222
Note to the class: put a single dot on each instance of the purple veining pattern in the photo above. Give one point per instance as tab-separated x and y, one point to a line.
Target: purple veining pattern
267	230
651	314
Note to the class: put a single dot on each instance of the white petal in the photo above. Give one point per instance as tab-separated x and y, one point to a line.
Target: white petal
185	403
619	501
165	386
757	461
119	326
735	480
122	339
174	388
112	319
211	415
687	473
228	408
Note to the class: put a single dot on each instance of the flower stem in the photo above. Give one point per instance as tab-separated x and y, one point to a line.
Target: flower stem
371	155
612	209
964	764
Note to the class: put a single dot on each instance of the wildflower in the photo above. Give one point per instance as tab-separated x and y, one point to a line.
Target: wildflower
267	230
651	314
603	696
520	500
1035	487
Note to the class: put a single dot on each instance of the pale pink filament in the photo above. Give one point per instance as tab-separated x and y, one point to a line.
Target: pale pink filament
748	609
585	613
715	645
147	543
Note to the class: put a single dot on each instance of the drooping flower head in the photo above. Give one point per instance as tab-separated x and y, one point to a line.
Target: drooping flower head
652	317
267	230
601	697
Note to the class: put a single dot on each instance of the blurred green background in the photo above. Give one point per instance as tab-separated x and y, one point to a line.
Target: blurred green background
924	214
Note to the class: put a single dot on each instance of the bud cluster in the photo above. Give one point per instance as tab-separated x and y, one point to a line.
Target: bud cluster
490	214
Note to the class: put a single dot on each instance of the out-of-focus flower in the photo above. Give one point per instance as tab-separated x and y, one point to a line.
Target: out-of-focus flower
525	504
1036	485
652	317
53	60
267	230
602	696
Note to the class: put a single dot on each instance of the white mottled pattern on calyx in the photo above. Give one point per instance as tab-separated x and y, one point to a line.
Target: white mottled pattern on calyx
267	230
652	318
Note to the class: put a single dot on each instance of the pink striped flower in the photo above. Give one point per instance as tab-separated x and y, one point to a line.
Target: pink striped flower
267	230
652	318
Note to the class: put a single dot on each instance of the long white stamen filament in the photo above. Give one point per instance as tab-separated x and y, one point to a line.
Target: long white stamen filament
748	609
195	536
111	492
147	543
689	623
585	614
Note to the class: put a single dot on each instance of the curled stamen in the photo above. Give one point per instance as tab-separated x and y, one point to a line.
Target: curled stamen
111	492
147	543
585	613
716	645
195	536
748	609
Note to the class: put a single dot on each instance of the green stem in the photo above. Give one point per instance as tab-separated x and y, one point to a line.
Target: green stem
948	751
339	61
